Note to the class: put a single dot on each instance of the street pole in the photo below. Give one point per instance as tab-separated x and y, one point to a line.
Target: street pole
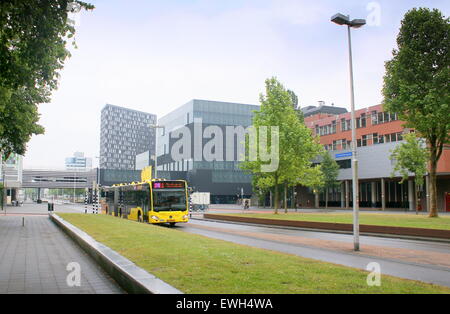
354	159
3	181
74	174
156	153
341	19
98	170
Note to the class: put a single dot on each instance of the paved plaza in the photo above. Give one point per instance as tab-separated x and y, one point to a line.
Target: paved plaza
34	258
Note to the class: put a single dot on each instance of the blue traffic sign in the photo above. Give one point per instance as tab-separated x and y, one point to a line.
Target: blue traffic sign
342	155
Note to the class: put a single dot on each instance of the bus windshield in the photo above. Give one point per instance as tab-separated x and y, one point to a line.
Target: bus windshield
169	200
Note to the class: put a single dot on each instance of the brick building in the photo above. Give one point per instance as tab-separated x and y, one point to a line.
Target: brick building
377	134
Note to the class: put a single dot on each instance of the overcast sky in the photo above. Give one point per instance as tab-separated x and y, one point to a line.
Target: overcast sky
154	56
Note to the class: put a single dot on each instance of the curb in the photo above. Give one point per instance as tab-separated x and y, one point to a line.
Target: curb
130	277
381	231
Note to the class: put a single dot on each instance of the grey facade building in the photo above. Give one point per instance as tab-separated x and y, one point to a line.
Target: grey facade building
143	160
222	176
378	189
322	109
124	134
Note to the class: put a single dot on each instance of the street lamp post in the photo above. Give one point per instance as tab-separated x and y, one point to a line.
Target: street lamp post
3	180
341	19
74	178
98	170
154	126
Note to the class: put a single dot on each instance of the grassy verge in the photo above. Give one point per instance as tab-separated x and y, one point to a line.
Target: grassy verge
197	264
394	220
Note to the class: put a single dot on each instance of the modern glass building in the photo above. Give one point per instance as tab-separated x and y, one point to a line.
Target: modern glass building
210	161
78	162
124	134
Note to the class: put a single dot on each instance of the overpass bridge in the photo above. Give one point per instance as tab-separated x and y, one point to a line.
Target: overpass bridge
58	179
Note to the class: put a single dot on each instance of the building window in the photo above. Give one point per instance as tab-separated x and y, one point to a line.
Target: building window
394	137
334	145
374	118
387	138
375	138
364	140
343	125
363	120
344	164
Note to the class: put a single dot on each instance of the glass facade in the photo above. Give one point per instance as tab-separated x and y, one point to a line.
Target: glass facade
220	176
124	134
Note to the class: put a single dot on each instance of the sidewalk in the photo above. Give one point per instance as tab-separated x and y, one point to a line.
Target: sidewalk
34	258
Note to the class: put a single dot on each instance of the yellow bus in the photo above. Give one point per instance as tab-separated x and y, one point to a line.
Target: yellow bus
153	201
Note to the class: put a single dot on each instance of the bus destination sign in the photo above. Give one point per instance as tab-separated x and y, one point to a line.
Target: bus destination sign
168	185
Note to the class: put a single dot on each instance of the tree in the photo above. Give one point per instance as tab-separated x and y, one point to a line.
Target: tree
2	195
33	38
330	170
295	105
294	99
294	144
411	157
416	83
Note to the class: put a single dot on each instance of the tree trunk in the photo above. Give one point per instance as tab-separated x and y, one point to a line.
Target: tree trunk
417	198
276	202
326	198
316	200
270	199
277	197
433	191
285	198
294	199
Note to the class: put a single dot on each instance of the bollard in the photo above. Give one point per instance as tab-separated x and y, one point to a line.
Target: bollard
23	221
85	201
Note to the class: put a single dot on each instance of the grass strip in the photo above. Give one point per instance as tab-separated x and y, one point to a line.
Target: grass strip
376	219
197	264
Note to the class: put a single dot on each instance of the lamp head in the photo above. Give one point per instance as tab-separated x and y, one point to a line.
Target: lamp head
340	19
357	23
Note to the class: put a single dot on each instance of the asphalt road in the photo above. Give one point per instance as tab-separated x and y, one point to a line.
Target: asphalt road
410	259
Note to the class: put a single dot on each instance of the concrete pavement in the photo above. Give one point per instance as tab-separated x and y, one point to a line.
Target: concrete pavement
34	259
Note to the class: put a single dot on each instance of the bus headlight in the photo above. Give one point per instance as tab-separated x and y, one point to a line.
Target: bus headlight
185	216
155	218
